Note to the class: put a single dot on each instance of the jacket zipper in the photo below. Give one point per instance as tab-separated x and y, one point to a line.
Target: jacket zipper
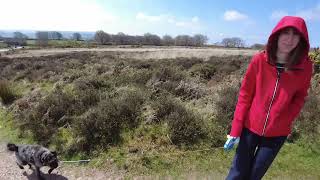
269	109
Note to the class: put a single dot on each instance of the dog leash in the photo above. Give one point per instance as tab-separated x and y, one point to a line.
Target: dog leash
166	154
78	161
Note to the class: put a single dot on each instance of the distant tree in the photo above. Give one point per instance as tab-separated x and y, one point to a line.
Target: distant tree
42	38
101	37
19	39
258	46
55	35
19	35
139	40
233	42
167	40
200	40
184	40
131	40
76	36
151	39
119	39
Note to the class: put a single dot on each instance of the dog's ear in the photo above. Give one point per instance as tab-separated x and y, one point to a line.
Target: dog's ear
54	153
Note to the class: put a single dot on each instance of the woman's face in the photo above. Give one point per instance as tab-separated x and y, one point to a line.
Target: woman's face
288	40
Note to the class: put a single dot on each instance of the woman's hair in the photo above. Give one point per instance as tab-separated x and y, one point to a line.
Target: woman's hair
295	55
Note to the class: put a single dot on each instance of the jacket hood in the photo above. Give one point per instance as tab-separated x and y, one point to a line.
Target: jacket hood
291	21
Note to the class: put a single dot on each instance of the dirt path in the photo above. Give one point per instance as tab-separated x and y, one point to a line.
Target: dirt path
138	53
10	171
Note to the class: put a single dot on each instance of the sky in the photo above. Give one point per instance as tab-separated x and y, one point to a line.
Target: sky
217	19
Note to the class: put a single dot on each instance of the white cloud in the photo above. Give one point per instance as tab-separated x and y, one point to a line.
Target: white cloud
71	15
310	14
232	15
181	24
278	14
142	16
166	18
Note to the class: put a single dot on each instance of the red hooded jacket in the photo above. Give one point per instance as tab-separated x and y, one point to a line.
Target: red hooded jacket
269	101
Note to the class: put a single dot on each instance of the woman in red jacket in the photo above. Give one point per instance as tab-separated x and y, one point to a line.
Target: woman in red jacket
271	96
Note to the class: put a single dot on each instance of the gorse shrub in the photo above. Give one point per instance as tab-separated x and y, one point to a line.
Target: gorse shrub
7	93
315	57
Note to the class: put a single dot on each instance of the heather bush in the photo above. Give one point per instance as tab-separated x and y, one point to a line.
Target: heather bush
132	76
307	124
189	90
187	63
185	127
101	125
166	78
50	113
204	71
225	107
163	106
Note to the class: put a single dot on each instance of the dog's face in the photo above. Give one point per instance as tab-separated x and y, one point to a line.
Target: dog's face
50	159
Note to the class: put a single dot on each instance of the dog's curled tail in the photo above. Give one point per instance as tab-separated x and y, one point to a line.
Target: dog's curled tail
12	147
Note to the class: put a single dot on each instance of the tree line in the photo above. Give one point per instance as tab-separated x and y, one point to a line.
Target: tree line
103	38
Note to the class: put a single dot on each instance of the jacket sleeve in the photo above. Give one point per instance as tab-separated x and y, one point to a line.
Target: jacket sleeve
246	94
298	99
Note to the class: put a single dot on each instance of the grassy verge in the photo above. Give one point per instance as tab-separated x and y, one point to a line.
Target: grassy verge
8	133
294	161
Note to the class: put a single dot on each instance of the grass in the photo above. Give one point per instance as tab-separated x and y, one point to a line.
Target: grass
60	43
8	133
293	161
199	162
3	45
7	93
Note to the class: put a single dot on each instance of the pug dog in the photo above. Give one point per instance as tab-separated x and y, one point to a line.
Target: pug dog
34	155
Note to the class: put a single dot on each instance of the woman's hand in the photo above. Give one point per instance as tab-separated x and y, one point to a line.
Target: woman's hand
231	141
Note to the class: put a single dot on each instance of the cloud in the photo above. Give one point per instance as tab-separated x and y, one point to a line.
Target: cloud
233	15
142	16
312	14
166	18
71	15
278	14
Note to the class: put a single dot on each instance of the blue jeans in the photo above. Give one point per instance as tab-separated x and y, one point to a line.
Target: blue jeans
254	156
